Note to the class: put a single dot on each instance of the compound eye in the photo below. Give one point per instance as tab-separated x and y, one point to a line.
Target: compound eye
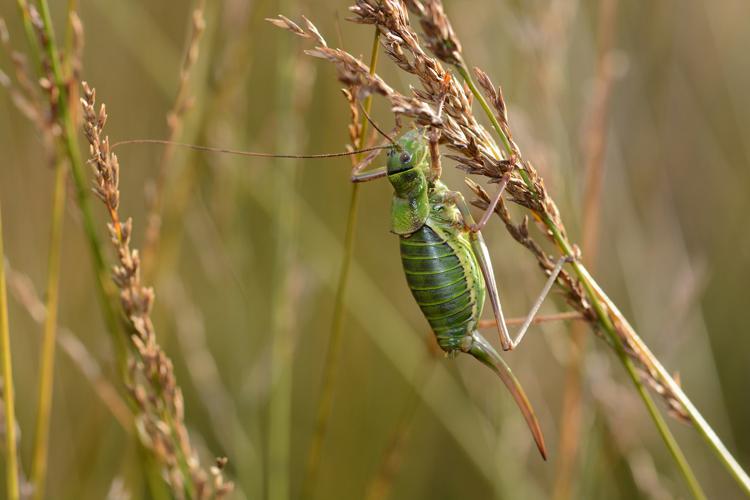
405	157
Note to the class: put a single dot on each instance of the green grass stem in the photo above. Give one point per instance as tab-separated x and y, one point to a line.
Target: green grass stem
49	338
325	400
81	183
286	234
23	9
11	453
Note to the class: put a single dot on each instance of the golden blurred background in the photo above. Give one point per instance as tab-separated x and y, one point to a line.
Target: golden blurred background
251	250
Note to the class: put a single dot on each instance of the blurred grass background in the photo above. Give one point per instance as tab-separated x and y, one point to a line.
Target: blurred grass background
672	249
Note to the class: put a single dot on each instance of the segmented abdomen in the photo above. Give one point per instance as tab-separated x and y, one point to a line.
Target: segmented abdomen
439	281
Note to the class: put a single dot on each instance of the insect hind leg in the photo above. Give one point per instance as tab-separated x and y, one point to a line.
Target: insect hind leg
538	303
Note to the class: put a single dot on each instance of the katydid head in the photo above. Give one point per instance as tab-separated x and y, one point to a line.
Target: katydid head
408	161
408	152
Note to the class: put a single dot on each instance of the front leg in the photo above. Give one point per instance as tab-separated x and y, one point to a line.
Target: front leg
359	176
370	175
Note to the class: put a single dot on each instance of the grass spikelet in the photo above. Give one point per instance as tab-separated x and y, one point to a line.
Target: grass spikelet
152	385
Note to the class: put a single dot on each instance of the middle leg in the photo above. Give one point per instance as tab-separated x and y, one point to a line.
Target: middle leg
483	258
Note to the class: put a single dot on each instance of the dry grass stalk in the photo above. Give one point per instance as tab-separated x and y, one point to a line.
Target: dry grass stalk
175	119
47	79
50	111
73	61
36	98
358	137
593	135
24	94
618	406
381	484
221	408
56	120
460	131
12	470
43	109
23	291
153	387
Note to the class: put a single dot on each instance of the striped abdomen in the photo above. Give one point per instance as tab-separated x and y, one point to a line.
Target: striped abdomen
444	285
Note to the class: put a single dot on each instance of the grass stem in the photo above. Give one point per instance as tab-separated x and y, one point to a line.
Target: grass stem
594	138
70	143
23	9
175	124
11	453
286	242
325	400
49	339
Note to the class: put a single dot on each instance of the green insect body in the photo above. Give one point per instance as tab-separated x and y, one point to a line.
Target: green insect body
441	269
441	264
444	278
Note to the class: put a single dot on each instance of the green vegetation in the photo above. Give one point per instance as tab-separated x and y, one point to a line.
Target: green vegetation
210	323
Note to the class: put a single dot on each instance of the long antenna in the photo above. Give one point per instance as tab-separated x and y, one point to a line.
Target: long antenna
375	126
245	153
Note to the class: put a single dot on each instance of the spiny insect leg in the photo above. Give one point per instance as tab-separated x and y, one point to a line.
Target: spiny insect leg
538	303
357	172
